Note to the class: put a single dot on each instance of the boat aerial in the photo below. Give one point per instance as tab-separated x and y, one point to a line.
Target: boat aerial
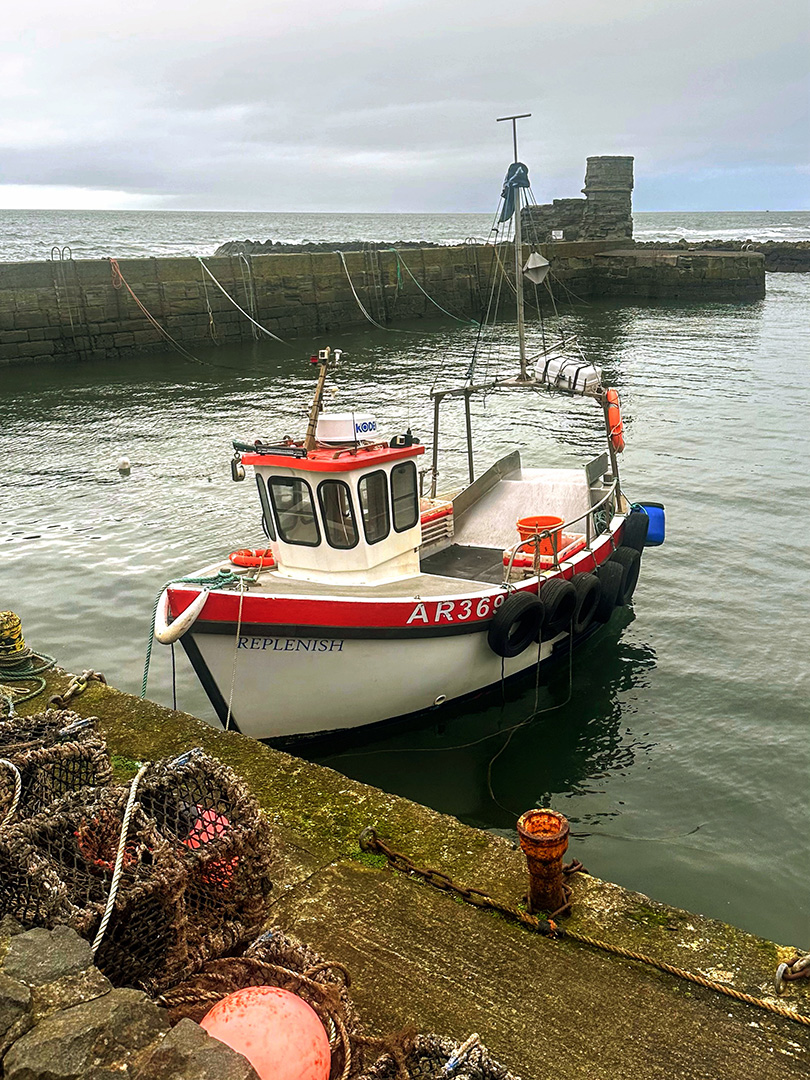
378	596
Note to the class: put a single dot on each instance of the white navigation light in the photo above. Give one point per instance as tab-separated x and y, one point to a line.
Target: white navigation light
535	268
345	429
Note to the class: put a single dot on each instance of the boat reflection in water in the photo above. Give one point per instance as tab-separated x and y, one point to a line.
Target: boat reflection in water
476	764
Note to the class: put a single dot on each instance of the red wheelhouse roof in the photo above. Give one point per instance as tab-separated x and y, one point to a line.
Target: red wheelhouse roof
337	459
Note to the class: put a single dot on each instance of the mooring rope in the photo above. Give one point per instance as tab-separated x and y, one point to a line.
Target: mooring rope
220	580
118	280
389	329
467	322
228	296
369	841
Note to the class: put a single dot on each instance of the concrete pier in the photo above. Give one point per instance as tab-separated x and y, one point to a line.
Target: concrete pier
423	957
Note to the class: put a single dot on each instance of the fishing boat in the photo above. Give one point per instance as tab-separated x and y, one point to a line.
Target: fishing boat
377	596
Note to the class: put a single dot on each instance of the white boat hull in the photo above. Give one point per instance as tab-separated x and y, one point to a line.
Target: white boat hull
288	686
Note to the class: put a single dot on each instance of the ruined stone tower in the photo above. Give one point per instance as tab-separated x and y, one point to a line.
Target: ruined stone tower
606	212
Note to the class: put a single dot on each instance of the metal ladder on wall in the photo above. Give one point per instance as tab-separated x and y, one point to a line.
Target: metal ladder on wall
60	256
374	285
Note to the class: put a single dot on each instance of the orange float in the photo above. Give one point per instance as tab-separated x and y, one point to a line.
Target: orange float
614	417
251	558
278	1032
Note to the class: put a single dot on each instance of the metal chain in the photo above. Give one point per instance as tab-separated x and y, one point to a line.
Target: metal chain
76	686
370	842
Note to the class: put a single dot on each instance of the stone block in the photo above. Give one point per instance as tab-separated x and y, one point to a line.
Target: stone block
123	339
8	337
189	1053
15	1011
34	348
102	1039
40	956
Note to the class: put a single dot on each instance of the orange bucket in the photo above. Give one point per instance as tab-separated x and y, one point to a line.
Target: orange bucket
530	526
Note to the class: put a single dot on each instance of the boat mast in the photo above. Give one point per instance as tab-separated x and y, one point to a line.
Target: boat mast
323	360
518	254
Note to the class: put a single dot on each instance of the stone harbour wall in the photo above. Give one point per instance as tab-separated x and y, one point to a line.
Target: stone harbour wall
71	310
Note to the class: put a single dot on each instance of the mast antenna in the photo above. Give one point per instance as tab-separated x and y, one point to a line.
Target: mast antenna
524	375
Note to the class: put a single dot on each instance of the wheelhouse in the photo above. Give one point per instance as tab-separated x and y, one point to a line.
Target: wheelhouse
347	511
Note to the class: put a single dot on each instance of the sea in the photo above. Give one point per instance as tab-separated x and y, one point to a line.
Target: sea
678	742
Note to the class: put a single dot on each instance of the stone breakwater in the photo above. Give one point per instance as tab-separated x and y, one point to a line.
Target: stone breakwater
68	310
781	256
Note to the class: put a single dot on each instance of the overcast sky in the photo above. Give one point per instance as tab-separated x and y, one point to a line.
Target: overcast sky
322	105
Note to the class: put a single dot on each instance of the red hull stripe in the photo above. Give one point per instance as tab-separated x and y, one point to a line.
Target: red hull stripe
338	460
269	611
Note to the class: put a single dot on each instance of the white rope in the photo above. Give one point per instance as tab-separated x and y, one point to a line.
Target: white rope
119	858
359	301
15	802
238	308
235	653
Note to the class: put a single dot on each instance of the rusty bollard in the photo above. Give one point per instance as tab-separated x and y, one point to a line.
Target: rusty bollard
544	839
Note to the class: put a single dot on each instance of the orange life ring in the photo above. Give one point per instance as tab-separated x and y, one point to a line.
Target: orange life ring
247	557
614	415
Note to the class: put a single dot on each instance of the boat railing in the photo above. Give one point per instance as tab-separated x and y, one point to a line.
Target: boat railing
554	534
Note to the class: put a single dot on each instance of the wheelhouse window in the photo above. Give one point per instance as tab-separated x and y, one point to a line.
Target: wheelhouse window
373	491
294	510
267	513
404	497
337	514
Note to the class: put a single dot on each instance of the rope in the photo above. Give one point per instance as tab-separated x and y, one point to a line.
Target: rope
212	326
15	802
369	841
118	280
223	578
227	295
468	322
119	858
373	322
250	292
235	653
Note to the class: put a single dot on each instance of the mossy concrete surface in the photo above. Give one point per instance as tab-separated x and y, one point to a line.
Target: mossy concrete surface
423	957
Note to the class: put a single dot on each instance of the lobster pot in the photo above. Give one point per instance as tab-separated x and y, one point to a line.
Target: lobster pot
195	872
274	959
433	1056
56	752
218	833
57	867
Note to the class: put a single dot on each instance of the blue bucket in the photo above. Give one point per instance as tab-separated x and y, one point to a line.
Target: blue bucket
656	533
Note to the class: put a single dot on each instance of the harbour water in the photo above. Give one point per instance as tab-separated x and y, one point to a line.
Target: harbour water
679	750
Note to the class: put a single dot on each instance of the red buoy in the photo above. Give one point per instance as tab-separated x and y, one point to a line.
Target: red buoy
278	1032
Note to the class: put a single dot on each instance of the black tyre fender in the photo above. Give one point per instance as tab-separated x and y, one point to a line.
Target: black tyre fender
636	527
560	599
610	577
629	561
589	593
515	625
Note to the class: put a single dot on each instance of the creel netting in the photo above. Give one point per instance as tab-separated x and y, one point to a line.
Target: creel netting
56	752
195	878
